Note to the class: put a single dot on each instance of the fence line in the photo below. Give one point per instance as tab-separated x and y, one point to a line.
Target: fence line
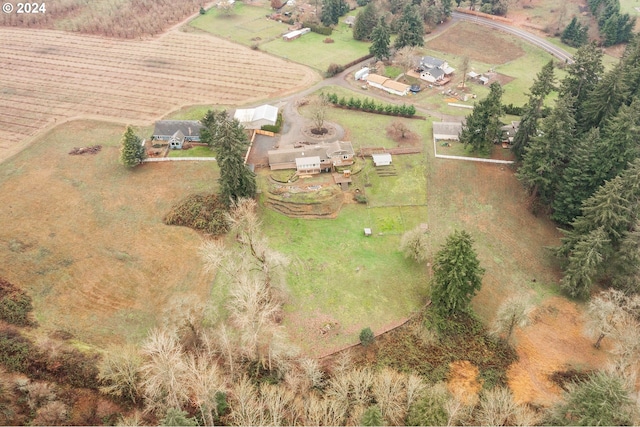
179	159
468	159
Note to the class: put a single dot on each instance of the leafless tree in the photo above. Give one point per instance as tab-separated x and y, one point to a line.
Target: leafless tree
245	405
389	391
496	407
119	371
414	388
610	314
361	381
415	244
203	379
464	69
164	372
277	401
319	107
514	311
407	58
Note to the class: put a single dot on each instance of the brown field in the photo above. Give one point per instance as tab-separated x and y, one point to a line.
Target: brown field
119	18
464	40
84	236
47	77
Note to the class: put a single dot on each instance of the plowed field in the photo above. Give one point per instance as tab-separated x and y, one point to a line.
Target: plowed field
47	77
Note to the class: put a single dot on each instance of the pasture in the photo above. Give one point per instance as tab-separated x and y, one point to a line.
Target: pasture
47	77
84	236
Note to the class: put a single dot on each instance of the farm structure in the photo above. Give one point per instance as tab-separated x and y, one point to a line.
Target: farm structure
434	70
255	118
387	84
295	34
50	76
309	159
447	131
382	159
361	74
168	130
479	78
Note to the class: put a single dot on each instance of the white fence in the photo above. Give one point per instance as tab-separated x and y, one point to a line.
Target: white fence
179	159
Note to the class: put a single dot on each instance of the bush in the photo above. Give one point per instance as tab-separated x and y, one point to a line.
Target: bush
15	305
367	337
16	351
200	212
334	69
512	109
361	198
318	28
202	11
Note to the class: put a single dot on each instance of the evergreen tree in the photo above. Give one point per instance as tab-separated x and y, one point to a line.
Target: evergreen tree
381	40
372	416
410	29
547	155
601	400
621	135
575	34
582	177
132	151
332	10
228	139
177	417
604	100
582	76
457	275
541	88
446	7
608	224
366	21
483	127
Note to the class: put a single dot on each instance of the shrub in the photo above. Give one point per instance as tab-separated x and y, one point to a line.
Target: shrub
16	351
342	102
200	212
361	198
334	69
328	40
15	304
318	28
202	11
512	109
75	368
366	336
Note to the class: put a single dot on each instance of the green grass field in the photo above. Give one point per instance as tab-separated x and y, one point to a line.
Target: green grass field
193	152
311	50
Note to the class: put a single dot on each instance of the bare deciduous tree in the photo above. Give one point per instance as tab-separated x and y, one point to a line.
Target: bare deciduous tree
119	372
610	314
204	380
389	391
496	407
415	245
407	58
246	407
319	106
514	311
464	69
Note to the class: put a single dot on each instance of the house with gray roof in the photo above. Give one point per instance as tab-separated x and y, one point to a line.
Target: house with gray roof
164	130
434	70
303	157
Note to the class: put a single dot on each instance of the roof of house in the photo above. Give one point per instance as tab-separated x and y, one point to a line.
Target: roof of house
179	135
170	127
451	129
435	72
376	78
322	151
306	161
431	62
472	74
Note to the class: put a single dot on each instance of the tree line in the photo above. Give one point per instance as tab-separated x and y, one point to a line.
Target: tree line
581	165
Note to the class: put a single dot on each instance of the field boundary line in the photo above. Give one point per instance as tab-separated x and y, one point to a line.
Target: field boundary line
468	159
179	159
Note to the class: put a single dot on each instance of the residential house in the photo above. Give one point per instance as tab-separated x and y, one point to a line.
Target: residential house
164	130
434	70
387	84
509	131
177	140
329	155
255	118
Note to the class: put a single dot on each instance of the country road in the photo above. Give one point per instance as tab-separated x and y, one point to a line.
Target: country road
554	50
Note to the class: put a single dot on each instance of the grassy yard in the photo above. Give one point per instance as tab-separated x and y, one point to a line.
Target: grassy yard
342	278
311	49
193	152
247	24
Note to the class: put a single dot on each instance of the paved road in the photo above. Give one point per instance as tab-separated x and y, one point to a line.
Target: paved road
554	50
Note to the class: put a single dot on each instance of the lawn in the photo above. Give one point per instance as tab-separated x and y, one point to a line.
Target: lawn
341	278
311	49
247	24
197	151
86	233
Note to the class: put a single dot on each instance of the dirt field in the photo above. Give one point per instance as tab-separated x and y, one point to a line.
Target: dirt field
47	77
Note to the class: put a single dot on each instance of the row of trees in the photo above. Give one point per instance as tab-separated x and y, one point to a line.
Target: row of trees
615	27
369	105
576	161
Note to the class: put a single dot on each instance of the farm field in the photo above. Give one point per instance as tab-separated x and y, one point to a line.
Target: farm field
84	236
249	26
47	77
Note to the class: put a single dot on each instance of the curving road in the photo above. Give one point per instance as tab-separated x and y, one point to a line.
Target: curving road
554	50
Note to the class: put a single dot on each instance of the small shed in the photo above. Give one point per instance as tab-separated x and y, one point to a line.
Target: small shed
350	20
362	73
367	232
383	159
483	80
447	131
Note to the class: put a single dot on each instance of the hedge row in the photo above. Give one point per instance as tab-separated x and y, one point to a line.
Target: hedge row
370	106
317	28
334	69
274	128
